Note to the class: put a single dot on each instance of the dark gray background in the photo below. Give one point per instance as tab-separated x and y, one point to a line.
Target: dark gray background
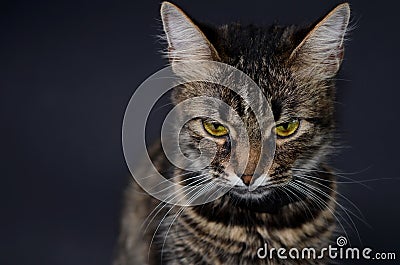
68	69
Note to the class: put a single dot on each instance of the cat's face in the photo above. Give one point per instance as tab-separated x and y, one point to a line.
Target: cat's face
293	67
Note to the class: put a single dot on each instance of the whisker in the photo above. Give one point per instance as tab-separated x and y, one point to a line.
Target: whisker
179	182
303	204
169	199
190	200
319	202
338	193
338	204
166	214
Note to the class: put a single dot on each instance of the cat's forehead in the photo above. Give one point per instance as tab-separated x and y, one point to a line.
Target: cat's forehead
258	51
254	46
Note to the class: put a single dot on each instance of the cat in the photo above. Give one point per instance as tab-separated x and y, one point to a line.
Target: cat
296	68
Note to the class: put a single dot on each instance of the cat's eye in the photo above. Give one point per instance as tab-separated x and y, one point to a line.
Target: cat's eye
215	128
288	128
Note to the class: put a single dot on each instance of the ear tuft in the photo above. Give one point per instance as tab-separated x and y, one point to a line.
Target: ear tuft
321	51
185	40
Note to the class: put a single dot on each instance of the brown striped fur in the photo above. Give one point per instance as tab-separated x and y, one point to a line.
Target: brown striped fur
295	67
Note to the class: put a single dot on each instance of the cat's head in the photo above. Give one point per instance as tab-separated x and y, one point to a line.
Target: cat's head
295	68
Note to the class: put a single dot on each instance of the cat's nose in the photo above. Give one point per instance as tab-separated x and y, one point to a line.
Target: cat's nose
247	179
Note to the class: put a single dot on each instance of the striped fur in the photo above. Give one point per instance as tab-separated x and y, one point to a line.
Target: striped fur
295	67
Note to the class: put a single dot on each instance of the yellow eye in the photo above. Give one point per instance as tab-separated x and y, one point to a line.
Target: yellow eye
288	128
215	128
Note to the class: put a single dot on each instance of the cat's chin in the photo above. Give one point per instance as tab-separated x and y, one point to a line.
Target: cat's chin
262	199
245	191
241	193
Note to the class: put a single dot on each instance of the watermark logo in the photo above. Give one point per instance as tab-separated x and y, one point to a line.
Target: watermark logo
195	75
341	241
340	251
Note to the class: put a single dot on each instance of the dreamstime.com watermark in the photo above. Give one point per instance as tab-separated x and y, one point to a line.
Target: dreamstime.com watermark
340	251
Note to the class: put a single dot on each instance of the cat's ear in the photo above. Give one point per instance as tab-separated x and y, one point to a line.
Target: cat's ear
186	42
321	51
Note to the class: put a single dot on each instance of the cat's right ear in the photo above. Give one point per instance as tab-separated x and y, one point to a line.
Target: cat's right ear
186	42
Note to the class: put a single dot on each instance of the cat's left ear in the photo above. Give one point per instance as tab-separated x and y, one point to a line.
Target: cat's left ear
321	52
186	42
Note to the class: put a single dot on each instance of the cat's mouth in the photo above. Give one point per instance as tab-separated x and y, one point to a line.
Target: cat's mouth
262	190
261	185
266	198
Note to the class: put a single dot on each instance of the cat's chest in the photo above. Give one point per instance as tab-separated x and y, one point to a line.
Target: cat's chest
213	242
216	242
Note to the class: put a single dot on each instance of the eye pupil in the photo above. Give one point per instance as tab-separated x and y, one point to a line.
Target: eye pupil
217	126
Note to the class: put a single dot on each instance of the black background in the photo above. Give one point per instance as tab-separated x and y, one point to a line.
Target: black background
68	69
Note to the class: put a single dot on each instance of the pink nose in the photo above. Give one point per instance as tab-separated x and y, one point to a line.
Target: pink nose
247	179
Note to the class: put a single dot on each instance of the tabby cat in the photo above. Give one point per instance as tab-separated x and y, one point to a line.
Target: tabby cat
296	67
